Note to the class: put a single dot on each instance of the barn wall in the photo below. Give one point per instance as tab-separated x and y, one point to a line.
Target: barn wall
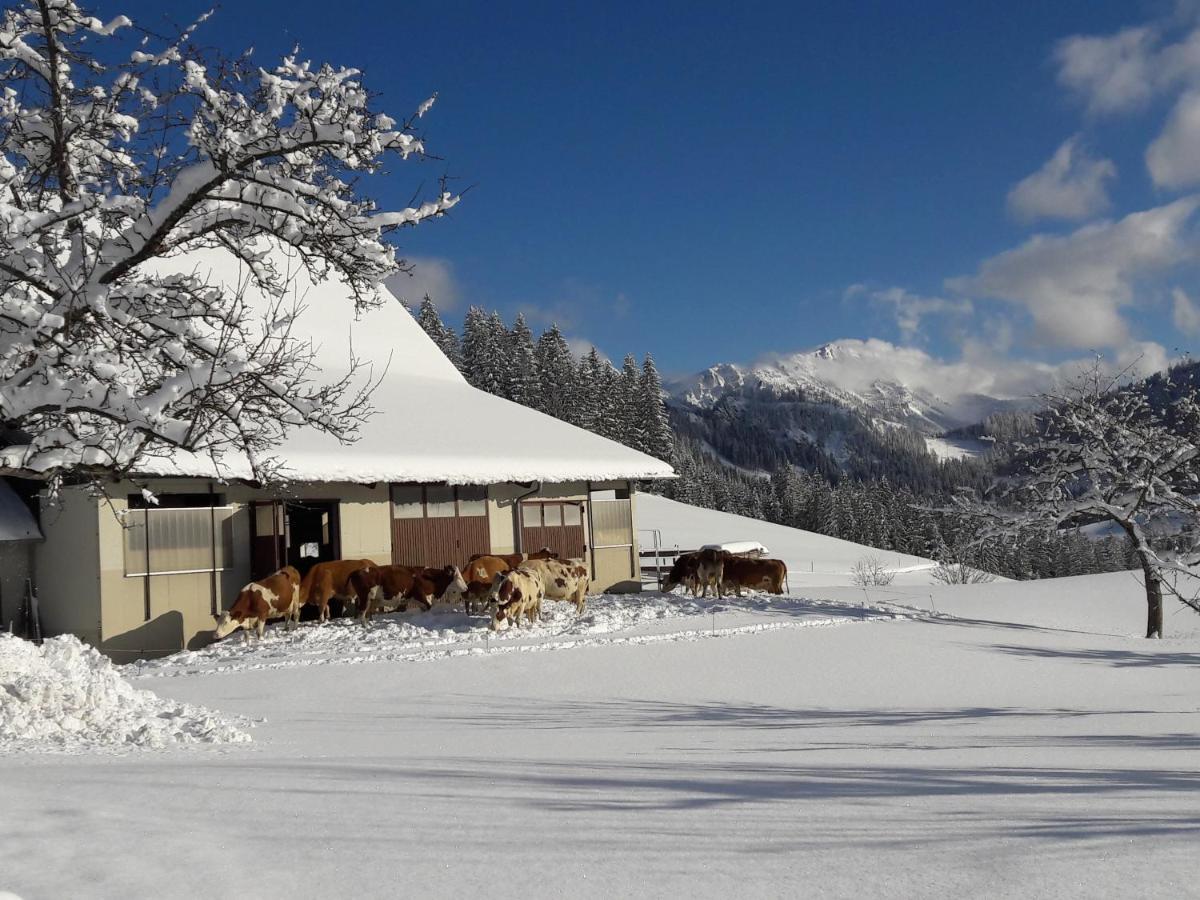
157	614
502	513
618	569
181	606
66	566
364	516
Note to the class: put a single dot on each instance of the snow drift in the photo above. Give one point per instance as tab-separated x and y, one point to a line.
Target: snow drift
67	696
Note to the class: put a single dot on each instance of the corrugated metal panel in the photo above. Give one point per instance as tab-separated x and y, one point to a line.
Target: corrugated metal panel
612	523
439	542
179	540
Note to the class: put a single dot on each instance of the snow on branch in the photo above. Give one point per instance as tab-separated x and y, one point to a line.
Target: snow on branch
1105	451
107	168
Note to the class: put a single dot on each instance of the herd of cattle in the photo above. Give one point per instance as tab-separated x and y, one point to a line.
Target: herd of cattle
512	586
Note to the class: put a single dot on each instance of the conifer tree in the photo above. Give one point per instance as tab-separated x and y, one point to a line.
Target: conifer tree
633	432
556	373
445	337
523	381
655	424
481	353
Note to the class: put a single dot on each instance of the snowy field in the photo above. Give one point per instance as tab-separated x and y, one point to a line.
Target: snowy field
1000	740
812	559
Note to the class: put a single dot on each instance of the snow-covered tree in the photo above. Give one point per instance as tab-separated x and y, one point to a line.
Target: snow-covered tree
522	365
632	432
445	337
483	352
1107	453
556	371
114	157
655	425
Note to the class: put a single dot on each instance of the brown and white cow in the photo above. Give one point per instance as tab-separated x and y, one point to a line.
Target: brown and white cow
276	596
563	579
376	587
518	592
480	576
430	586
754	574
328	580
515	559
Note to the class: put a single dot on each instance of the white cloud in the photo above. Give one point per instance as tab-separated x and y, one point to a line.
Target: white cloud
430	276
1111	73
1071	185
1173	159
907	308
1123	72
564	314
581	347
1075	286
1186	314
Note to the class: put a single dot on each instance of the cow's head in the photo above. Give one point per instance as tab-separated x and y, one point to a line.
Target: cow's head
456	585
544	553
508	602
227	623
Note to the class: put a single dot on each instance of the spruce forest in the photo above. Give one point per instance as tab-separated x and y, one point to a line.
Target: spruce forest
752	457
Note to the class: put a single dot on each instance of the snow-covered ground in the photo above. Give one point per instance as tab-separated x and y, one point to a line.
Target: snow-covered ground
812	559
955	448
998	740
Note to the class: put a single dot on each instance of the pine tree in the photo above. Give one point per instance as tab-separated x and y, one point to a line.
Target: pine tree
656	426
523	382
445	337
628	410
481	352
590	397
557	376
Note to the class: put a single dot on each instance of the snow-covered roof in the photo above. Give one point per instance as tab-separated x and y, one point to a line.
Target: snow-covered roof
16	521
429	424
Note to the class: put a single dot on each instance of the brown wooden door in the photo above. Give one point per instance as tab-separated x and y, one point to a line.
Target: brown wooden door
268	541
557	524
437	525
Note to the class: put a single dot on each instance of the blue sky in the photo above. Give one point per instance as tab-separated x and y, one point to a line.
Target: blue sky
713	182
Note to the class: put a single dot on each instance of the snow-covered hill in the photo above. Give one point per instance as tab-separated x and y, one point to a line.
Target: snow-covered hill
812	559
898	385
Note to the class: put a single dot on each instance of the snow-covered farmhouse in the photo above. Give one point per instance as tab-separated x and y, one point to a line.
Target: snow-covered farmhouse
441	471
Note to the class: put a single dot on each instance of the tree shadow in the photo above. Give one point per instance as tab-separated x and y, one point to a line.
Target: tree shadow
1117	658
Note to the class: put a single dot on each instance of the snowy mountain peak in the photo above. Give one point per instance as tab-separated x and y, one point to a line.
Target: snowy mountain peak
891	385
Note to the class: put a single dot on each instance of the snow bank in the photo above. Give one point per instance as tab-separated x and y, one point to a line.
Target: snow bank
67	696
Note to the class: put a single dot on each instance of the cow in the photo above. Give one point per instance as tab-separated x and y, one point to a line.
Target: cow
683	572
563	579
375	586
755	574
710	569
518	592
480	575
515	559
273	597
328	580
430	586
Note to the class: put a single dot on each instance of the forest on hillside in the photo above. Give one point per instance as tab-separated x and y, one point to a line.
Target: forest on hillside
794	461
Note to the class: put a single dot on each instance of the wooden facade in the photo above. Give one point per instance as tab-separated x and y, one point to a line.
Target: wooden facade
557	524
434	525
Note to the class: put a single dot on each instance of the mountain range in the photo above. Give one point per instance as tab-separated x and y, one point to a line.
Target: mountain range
894	386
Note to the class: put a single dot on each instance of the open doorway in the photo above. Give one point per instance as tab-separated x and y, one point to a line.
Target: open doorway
298	533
